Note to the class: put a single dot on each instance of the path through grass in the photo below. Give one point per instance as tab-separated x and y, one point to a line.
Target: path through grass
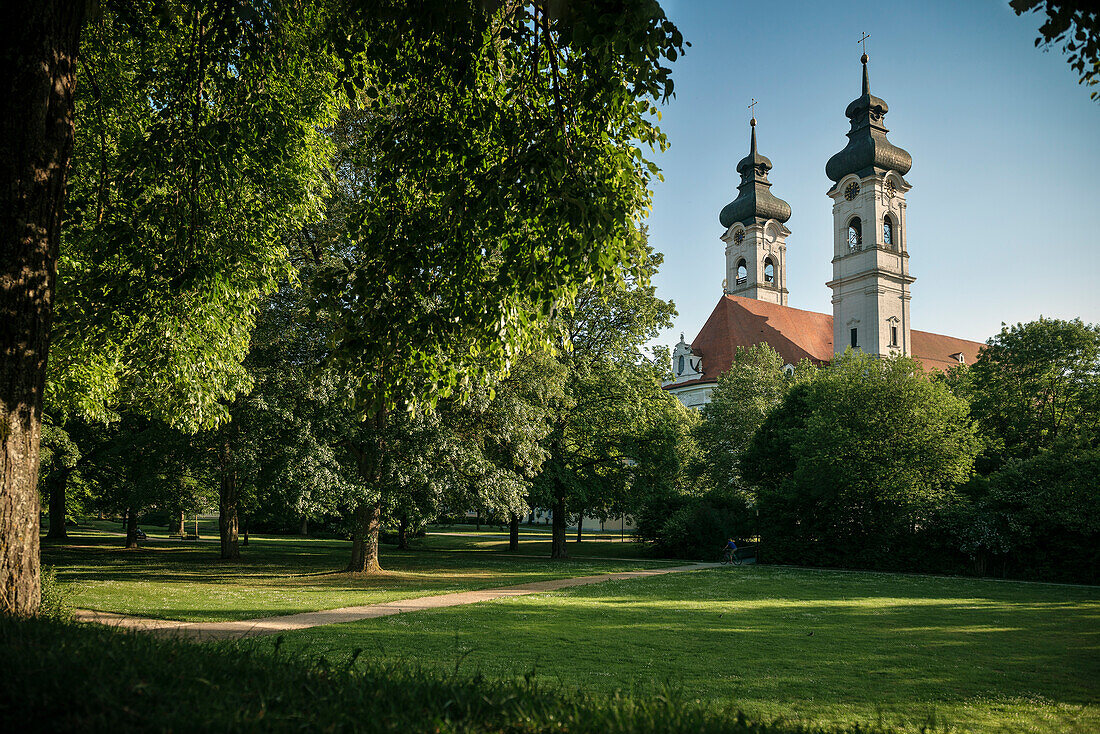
813	645
279	575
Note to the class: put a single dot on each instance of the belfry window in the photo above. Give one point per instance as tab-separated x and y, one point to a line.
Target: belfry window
742	273
769	271
888	232
855	234
680	365
855	341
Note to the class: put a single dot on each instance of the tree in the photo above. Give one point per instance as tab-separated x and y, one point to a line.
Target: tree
1075	25
1034	386
744	396
612	398
854	461
495	169
205	127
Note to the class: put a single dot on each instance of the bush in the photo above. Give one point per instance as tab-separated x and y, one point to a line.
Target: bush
700	526
56	597
128	682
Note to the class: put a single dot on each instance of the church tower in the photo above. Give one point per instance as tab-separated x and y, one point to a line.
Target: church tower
756	240
870	253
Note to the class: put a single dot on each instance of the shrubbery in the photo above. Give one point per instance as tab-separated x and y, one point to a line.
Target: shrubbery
82	678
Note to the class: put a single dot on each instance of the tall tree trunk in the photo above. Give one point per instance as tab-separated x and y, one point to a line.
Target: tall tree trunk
513	533
304	529
580	524
478	520
125	518
364	539
38	55
227	513
131	529
180	522
57	484
557	543
367	522
244	529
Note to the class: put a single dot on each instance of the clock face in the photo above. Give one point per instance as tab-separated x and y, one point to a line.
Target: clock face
891	188
851	191
739	236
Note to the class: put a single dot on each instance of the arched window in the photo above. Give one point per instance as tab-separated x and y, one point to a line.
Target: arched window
742	273
855	234
888	232
680	365
769	270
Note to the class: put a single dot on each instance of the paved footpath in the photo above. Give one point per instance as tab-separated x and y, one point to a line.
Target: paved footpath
275	625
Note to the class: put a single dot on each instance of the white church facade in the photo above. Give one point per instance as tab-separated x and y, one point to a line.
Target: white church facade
870	282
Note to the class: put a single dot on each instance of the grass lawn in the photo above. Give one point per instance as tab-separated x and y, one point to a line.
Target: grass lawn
815	646
279	575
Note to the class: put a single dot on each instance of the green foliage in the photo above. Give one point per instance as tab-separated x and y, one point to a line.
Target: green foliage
851	464
1075	24
616	434
700	527
199	149
56	603
497	172
1034	386
132	682
745	394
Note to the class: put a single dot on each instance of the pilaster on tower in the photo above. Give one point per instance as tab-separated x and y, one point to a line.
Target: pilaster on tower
870	249
756	240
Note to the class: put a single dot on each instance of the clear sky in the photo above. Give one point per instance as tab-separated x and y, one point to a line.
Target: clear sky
1004	215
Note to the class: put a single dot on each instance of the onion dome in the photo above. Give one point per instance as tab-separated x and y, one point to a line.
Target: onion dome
754	202
868	151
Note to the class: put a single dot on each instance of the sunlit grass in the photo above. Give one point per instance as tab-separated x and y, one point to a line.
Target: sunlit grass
810	645
279	575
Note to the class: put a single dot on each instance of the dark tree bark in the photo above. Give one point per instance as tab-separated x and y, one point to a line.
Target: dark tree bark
304	529
180	522
557	543
244	529
227	512
57	485
38	56
364	539
131	529
478	520
580	524
367	521
513	533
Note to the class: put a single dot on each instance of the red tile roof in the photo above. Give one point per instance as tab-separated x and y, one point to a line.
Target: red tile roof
796	335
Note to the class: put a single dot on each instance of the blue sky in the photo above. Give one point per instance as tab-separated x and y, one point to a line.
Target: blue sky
1004	214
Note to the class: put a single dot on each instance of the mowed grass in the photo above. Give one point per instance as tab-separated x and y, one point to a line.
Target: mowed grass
279	575
814	646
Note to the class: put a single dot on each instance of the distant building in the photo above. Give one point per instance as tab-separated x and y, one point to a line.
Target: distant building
870	267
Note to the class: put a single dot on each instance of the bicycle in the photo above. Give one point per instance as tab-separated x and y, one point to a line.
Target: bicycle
731	556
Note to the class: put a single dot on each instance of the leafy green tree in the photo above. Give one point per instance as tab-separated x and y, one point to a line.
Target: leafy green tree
496	169
198	144
1075	24
744	396
854	461
1034	386
612	398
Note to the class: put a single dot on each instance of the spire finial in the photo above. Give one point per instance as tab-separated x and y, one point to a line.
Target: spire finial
864	59
752	124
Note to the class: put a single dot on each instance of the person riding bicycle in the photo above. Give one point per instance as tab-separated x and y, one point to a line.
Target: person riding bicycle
730	549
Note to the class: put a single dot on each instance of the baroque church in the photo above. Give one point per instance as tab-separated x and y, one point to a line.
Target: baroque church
870	267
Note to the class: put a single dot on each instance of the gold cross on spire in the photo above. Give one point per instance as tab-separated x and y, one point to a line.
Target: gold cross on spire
753	107
864	41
